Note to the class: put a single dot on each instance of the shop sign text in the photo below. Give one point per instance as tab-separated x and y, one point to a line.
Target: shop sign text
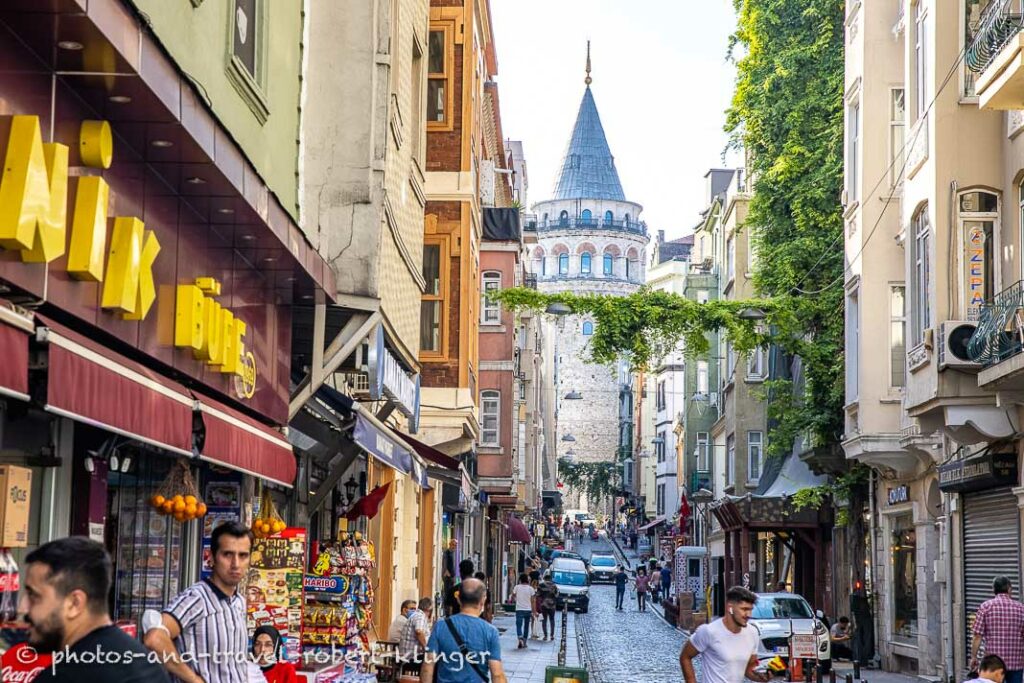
34	207
900	494
388	380
975	271
213	333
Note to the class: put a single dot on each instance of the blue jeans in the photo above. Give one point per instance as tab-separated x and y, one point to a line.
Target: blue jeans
523	619
619	594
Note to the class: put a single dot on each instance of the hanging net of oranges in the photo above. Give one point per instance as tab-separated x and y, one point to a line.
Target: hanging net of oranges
269	520
178	495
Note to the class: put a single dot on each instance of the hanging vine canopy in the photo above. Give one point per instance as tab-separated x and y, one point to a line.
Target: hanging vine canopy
647	325
597	480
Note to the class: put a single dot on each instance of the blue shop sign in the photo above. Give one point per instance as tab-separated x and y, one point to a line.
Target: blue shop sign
389	381
381	446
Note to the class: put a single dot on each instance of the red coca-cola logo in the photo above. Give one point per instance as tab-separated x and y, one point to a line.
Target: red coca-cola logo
21	664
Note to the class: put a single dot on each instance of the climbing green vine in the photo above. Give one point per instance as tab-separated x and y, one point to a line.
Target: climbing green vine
598	480
842	488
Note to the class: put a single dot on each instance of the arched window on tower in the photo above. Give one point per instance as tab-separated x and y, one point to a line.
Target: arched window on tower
585	263
588	328
563	218
629	271
609	264
608	216
563	264
586	216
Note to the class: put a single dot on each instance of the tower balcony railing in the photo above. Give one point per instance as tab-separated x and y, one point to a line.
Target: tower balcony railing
636	227
994	55
592	277
1000	331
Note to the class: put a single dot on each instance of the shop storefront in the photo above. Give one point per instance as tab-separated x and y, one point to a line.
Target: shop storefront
989	527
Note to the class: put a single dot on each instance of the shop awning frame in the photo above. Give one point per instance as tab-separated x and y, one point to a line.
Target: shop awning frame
15	330
653	523
92	384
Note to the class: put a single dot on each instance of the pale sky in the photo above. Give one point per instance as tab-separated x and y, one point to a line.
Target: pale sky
661	83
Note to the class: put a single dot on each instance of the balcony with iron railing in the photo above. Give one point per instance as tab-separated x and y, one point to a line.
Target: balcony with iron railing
530	281
998	340
995	56
591	277
636	227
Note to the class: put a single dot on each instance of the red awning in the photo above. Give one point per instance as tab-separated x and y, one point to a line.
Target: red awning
90	383
517	531
15	329
430	453
239	442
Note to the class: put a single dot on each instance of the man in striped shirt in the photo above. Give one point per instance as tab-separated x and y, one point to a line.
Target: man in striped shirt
202	637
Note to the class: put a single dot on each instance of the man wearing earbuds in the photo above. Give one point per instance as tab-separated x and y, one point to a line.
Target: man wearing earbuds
728	646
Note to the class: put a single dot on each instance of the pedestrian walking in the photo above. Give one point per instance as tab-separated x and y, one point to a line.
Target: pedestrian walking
547	598
655	583
267	651
523	594
488	613
666	579
464	648
206	621
727	646
65	588
451	596
621	579
999	623
535	619
642	583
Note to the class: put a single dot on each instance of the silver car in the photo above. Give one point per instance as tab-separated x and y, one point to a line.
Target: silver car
777	616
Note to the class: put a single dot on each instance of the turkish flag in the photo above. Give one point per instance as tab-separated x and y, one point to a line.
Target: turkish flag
368	505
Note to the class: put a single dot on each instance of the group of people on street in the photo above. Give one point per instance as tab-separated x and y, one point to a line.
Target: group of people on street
656	583
202	637
535	600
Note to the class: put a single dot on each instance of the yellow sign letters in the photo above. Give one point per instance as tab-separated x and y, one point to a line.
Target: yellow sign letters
212	332
33	215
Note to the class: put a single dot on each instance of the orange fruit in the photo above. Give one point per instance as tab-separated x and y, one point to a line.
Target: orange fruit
178	497
278	526
168	507
190	509
180	516
179	506
157	500
201	509
190	500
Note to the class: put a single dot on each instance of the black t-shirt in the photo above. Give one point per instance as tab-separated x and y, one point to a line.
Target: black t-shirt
106	655
620	579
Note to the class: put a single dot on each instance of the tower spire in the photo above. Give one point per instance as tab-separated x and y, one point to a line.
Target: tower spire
588	80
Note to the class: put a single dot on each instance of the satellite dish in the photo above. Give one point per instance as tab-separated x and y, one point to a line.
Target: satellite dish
934	499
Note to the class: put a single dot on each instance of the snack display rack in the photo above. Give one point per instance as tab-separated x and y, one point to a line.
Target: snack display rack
339	610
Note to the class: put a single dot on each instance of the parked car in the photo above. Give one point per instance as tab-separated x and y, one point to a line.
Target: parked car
602	568
777	614
573	582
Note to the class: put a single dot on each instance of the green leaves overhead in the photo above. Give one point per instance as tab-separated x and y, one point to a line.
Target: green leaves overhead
598	480
646	326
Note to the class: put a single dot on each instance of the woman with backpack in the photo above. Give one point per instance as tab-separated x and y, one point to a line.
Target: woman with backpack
547	599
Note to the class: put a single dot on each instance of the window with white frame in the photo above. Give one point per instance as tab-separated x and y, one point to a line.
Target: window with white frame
490	412
703	451
921	57
490	310
586	263
920	287
755	455
730	360
897	336
852	152
852	345
979	212
730	460
661	395
660	502
757	364
897	137
659	446
702	377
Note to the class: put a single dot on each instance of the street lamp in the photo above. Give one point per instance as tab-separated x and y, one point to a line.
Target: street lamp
573	396
558	308
350	490
752	314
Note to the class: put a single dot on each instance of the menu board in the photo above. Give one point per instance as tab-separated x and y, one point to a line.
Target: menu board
274	588
222	493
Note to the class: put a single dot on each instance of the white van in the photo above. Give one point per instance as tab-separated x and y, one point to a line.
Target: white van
573	582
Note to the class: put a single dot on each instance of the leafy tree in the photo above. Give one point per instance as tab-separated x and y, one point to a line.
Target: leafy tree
787	114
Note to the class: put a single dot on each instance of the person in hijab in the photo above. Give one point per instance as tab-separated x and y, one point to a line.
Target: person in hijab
266	650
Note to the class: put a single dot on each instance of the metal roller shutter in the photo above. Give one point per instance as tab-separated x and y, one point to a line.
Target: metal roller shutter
991	546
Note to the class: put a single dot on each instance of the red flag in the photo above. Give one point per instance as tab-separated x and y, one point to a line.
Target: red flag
684	514
368	505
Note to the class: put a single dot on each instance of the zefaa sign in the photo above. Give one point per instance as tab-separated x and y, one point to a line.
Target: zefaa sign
388	380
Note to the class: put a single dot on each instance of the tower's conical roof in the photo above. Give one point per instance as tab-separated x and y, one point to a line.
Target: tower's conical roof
588	168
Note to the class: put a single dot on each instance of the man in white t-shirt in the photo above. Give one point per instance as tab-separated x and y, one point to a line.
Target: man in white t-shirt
523	594
727	646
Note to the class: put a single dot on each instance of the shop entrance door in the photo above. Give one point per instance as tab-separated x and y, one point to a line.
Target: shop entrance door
991	547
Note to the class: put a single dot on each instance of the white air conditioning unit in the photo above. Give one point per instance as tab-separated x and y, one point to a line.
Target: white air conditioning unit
953	338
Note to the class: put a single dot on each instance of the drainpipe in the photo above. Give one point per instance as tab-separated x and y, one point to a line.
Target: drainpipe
875	521
950	664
